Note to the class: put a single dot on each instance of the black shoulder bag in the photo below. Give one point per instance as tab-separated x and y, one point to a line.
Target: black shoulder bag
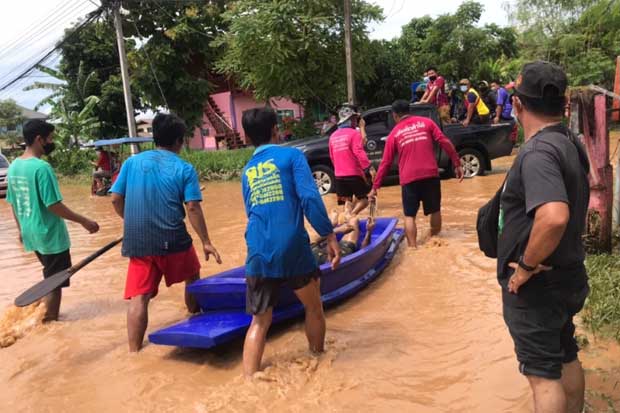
488	215
487	224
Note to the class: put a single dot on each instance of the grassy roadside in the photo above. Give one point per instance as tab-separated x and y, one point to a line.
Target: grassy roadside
218	165
74	167
601	313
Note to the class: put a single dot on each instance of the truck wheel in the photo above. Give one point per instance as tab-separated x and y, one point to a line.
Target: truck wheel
324	178
473	162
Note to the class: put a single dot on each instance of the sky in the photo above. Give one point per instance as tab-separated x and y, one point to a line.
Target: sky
28	28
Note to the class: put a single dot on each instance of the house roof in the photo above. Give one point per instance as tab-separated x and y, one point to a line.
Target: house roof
31	114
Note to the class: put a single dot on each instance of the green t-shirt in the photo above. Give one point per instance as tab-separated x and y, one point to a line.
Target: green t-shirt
32	188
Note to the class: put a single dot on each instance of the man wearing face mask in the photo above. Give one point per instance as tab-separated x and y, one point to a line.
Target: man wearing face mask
39	211
542	218
436	94
476	110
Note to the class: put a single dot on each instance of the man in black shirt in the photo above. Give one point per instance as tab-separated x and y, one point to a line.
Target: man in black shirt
540	263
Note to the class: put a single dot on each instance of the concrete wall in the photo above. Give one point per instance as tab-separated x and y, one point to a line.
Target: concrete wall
203	142
233	114
245	101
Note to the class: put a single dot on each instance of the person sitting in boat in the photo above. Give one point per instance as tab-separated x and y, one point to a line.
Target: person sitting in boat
349	241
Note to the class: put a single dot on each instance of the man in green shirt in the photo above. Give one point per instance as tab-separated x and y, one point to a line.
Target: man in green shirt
38	209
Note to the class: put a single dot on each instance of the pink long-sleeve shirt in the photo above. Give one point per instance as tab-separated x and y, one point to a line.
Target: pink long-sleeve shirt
412	139
346	151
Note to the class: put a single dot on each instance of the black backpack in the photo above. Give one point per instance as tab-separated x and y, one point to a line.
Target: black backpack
487	224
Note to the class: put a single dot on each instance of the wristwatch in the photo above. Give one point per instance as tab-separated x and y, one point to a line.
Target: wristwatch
526	267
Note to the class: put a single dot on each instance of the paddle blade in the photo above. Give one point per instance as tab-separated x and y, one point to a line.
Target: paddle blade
43	288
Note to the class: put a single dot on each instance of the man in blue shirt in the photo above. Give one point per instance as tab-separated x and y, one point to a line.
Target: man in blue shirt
151	194
503	112
278	190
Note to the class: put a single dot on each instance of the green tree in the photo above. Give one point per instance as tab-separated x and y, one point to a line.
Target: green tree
391	74
583	36
174	65
454	43
10	118
93	50
458	47
295	48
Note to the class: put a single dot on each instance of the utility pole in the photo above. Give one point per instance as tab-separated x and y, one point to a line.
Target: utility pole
131	121
348	52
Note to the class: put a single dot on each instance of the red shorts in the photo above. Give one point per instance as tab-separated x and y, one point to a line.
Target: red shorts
144	273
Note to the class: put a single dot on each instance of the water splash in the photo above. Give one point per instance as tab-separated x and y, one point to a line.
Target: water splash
16	322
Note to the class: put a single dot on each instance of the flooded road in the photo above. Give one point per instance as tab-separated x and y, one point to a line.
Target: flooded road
427	336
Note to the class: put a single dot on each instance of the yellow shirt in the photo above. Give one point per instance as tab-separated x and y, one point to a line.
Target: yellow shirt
481	108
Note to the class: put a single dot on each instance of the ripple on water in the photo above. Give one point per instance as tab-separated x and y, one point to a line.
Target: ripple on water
427	336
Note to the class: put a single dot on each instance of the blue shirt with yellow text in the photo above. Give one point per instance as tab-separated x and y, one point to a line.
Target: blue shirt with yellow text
278	190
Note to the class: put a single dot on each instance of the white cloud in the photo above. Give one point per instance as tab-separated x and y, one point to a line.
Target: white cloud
35	26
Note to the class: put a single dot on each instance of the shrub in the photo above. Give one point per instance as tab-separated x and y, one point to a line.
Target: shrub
71	162
218	165
602	309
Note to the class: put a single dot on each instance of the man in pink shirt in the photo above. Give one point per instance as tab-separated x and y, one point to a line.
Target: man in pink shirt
351	165
412	139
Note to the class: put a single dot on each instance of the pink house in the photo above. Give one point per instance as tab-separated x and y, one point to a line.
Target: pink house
221	121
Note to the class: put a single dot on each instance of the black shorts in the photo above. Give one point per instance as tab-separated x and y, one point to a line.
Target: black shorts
55	263
480	119
262	292
347	186
320	252
427	191
544	335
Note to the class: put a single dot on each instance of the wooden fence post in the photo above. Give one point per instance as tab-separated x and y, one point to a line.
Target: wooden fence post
589	116
616	103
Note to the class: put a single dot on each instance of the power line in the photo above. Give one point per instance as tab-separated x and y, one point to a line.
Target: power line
44	27
148	58
29	40
89	20
24	81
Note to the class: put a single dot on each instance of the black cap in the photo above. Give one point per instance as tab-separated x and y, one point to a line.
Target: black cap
536	76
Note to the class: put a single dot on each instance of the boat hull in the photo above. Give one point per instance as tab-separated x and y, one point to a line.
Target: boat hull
219	326
227	290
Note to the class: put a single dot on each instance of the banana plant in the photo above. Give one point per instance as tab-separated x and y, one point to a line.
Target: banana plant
75	125
60	90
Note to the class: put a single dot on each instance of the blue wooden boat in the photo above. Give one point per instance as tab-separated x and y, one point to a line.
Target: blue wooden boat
222	297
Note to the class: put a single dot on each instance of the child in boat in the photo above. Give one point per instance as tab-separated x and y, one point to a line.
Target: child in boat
349	241
278	191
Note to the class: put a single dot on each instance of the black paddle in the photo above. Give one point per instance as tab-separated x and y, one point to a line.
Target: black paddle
49	284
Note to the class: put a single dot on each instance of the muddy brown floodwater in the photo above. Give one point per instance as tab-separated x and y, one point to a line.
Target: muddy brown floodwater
427	336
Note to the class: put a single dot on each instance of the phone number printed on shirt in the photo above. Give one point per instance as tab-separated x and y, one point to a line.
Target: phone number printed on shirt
265	183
